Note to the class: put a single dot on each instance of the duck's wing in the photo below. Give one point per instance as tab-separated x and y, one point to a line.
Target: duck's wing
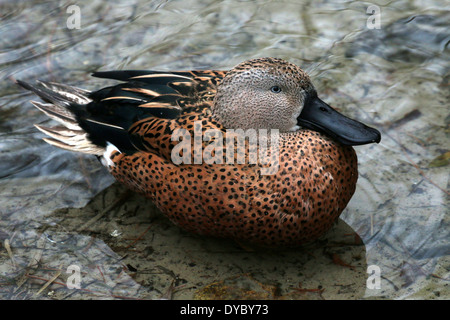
91	120
150	105
156	89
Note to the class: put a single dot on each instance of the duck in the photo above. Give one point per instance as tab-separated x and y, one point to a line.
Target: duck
152	130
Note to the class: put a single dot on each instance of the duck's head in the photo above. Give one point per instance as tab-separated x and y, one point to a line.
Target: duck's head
270	93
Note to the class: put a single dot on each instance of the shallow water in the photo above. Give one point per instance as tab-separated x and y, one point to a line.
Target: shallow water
60	209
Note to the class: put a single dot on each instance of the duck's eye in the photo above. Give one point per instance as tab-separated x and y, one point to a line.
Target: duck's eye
275	89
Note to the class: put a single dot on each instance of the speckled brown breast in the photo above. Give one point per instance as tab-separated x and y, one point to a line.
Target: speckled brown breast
315	181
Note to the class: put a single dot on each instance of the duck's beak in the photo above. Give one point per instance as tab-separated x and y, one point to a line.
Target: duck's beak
319	116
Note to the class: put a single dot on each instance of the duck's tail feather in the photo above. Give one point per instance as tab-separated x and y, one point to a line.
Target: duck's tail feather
59	98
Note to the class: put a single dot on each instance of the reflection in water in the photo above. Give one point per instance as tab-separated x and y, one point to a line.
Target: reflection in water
394	78
129	242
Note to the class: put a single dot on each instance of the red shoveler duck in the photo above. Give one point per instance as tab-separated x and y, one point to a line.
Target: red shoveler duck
130	126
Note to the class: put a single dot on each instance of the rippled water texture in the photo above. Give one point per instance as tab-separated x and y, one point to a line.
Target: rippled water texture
60	209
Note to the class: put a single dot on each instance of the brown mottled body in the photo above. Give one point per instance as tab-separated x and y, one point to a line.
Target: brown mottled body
315	181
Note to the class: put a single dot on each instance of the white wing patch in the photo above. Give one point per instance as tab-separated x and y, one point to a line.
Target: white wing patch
106	158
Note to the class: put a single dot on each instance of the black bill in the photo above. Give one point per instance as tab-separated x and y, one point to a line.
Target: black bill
319	116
